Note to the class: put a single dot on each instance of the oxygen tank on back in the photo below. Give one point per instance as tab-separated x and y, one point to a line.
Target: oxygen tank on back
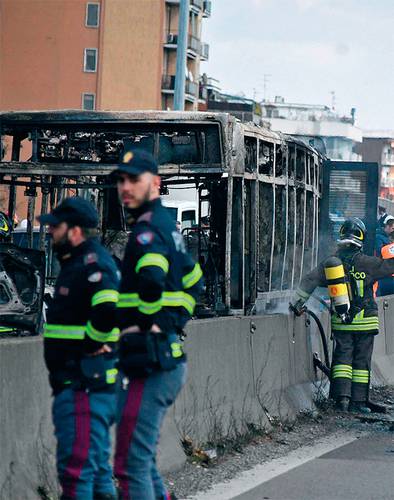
338	287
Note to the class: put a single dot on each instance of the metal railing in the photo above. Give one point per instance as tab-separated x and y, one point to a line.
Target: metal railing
168	83
207	10
204	52
191	88
202	93
193	43
197	3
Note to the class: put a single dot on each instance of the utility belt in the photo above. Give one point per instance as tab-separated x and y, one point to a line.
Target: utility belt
90	373
142	353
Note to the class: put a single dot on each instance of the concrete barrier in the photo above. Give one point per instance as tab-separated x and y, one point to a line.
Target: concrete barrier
243	371
383	356
26	438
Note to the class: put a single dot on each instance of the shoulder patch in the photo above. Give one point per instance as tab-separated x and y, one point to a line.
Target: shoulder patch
145	217
145	238
90	258
63	290
95	277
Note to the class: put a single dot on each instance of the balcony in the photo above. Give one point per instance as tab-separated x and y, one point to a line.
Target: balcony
171	40
191	88
202	93
168	87
204	52
207	9
197	4
194	46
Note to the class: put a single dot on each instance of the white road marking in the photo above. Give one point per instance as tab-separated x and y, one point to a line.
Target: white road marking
252	478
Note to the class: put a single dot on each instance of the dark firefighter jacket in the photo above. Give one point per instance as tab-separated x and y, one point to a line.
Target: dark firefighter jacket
160	281
81	315
365	271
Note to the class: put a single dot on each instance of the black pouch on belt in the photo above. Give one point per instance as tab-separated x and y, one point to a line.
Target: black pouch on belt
141	353
98	372
137	354
169	353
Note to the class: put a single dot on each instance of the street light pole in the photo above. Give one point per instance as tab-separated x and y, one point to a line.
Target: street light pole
180	76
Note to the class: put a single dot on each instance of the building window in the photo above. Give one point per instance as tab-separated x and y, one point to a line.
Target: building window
92	15
90	60
88	102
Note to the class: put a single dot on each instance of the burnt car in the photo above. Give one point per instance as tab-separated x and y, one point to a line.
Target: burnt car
22	285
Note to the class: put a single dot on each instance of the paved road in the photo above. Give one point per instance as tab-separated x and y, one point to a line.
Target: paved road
360	470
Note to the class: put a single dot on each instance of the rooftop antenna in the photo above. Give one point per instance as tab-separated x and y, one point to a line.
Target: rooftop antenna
333	100
266	78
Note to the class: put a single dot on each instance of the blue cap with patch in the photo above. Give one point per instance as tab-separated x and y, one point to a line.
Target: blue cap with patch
136	162
74	211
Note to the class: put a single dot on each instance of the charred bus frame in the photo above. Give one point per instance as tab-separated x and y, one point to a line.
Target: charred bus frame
262	188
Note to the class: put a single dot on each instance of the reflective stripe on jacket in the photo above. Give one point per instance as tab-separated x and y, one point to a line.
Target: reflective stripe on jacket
365	270
81	315
160	281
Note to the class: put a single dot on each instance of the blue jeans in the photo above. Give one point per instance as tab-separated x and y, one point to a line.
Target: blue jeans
141	410
82	423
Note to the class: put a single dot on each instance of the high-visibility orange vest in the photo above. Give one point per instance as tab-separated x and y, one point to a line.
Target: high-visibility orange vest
387	252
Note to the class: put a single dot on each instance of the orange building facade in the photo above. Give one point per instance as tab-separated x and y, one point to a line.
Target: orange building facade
95	55
105	55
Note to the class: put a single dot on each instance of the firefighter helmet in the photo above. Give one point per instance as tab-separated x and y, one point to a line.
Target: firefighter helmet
353	231
5	226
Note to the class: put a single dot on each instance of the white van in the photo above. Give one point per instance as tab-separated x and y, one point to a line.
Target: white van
183	211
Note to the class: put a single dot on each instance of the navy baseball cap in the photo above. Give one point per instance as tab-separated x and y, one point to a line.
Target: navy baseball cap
136	162
74	211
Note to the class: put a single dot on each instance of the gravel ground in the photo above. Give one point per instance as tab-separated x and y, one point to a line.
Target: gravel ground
308	428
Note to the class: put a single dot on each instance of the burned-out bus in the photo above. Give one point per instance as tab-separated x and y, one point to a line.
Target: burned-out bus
257	191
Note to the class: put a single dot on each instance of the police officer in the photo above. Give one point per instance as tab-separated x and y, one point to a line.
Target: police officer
351	364
80	351
157	295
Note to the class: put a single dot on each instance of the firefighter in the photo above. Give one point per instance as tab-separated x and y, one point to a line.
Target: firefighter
159	287
384	249
80	354
5	237
354	330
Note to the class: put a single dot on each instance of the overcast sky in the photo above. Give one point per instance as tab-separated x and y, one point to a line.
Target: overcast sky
310	48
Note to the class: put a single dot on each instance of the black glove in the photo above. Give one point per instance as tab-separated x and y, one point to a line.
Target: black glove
298	308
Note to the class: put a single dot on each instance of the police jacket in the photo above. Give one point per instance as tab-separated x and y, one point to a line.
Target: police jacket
365	270
160	282
81	315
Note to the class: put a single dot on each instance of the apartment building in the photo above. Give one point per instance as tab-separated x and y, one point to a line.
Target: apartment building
103	54
378	146
336	135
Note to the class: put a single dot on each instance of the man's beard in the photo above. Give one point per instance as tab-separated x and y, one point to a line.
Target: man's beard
62	247
135	212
